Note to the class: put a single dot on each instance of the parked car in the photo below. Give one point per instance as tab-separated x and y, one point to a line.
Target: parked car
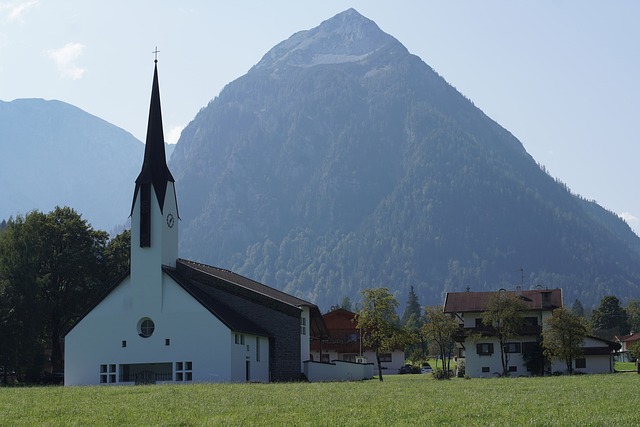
406	369
426	369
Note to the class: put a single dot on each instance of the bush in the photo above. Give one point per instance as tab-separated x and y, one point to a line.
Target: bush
439	374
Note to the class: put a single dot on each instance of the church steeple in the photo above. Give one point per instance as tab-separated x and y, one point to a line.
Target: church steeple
154	171
155	179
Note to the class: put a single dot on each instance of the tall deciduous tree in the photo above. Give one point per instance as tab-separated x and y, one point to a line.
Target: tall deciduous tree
441	329
633	315
51	267
610	318
563	336
379	322
503	315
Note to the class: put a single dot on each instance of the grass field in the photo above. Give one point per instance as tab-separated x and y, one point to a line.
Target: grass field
586	400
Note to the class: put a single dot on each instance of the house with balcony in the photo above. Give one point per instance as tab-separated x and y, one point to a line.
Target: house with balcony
480	349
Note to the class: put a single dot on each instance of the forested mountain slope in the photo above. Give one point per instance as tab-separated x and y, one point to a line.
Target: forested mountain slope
341	161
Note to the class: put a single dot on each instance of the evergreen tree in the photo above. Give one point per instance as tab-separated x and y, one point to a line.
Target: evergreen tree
577	308
346	304
610	318
413	308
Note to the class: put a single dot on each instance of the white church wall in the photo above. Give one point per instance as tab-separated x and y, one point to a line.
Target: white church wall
109	335
249	358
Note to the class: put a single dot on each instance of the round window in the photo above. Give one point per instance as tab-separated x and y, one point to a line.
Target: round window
146	327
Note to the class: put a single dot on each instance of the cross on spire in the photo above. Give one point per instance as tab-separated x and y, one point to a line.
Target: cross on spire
155	52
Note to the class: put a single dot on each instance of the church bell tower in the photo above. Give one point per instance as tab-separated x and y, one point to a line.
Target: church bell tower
154	211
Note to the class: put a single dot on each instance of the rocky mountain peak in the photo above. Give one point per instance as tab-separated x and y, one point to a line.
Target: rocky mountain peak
347	37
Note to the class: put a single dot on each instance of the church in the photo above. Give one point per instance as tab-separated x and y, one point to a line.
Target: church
172	320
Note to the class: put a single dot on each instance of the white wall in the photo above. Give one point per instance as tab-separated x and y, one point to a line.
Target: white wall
397	360
337	371
195	335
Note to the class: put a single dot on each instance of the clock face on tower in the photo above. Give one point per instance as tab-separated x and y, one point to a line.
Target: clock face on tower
170	220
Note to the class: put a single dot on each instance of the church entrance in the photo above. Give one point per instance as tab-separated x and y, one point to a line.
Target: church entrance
146	373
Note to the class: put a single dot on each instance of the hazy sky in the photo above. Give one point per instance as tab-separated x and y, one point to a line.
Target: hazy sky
562	76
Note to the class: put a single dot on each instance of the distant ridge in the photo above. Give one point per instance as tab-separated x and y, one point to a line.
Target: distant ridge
56	154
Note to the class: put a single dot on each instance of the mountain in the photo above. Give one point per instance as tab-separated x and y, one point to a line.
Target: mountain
341	161
56	154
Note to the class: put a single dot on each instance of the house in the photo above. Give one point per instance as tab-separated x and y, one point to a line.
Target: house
174	320
626	342
345	344
480	351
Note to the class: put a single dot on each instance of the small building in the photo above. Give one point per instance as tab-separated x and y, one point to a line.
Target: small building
345	344
480	350
174	320
626	341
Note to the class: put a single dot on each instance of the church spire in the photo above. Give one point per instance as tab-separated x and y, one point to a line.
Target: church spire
155	171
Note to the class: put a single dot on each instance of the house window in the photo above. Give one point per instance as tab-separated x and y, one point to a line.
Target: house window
479	323
324	358
484	349
385	357
240	339
257	349
124	343
513	369
530	321
167	341
581	363
512	347
485	369
303	325
107	373
184	371
146	327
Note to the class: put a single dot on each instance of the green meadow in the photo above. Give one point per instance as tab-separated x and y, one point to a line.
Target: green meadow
402	400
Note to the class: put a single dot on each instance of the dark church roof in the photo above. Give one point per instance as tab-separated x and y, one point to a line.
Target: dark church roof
231	318
154	168
237	283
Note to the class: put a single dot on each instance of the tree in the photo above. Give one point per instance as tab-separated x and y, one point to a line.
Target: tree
633	315
346	304
610	318
412	321
413	307
503	316
379	322
21	314
634	350
577	308
564	336
441	329
118	256
51	267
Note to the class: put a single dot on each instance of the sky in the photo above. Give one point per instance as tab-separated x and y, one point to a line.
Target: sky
562	76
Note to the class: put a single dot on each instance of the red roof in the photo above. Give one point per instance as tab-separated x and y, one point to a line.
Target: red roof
460	302
629	338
